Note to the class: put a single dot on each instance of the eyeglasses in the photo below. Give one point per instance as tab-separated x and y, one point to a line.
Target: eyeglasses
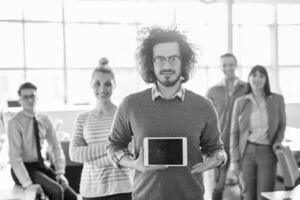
161	61
27	97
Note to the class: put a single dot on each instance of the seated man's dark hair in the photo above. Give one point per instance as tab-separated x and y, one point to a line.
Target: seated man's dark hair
26	85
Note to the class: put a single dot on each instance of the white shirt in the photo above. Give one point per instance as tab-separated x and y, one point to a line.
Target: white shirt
259	122
22	145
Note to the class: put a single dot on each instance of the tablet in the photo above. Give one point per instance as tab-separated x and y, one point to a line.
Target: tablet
168	151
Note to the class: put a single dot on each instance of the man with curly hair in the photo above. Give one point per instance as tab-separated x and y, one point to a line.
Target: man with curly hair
166	110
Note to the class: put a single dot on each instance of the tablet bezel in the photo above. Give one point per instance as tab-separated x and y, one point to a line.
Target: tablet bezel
184	150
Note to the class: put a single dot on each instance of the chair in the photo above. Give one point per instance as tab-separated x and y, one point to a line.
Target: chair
73	169
290	171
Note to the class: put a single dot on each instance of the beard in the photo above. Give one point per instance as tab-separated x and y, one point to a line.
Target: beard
167	82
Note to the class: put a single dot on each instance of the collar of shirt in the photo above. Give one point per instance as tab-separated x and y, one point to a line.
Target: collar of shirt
28	114
236	82
156	93
251	98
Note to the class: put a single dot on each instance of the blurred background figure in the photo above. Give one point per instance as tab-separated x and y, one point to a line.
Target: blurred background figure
259	123
223	95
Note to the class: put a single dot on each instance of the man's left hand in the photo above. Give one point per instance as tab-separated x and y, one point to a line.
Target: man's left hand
62	180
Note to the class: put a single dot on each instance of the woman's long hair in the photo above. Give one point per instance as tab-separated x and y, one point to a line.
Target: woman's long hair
261	69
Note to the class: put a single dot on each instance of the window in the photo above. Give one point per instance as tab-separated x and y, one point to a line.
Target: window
9	84
44	45
10	10
289	83
252	33
289	45
251	13
288	14
57	43
252	45
209	34
42	10
288	48
11	48
87	43
50	87
79	92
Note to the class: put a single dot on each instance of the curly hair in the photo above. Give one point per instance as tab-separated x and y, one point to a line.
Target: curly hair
154	35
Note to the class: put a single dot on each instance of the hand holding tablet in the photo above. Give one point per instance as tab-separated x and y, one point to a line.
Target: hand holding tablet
165	151
139	165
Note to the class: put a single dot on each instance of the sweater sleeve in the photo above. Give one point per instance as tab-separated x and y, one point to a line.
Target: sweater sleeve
210	140
79	150
121	134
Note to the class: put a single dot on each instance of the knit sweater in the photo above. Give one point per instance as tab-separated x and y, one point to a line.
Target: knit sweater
88	145
194	118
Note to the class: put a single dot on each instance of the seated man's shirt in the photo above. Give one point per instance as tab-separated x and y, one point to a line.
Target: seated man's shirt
22	144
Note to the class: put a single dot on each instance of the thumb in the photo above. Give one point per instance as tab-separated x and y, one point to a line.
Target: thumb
141	154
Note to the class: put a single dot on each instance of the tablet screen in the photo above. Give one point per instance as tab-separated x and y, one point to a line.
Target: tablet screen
165	151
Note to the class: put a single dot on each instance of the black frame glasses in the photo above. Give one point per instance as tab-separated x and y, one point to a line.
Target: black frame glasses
172	60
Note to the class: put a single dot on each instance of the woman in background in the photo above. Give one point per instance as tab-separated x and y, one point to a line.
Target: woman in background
99	179
258	125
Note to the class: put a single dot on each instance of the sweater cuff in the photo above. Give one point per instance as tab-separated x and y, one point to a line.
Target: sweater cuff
221	156
27	183
60	172
117	156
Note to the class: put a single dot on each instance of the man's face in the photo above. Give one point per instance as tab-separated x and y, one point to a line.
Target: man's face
167	63
228	65
28	98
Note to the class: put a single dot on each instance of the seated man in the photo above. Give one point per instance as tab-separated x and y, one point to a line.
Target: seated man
27	130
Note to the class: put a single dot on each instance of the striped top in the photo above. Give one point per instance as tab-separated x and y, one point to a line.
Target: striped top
88	145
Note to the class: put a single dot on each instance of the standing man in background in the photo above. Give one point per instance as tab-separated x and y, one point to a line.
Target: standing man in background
27	131
223	96
166	110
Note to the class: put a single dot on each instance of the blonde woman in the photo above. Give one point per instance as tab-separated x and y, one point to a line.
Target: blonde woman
99	179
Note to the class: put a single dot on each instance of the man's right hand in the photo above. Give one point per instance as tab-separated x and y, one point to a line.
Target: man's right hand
35	187
138	164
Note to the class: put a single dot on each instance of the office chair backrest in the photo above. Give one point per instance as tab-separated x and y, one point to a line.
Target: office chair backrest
289	166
